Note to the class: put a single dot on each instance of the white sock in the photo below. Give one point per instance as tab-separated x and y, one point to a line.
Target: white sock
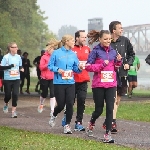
52	103
42	100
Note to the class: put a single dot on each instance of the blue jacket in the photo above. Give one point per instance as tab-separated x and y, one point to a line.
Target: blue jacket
66	60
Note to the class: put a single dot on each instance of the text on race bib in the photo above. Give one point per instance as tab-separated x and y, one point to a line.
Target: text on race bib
14	73
83	63
66	75
107	76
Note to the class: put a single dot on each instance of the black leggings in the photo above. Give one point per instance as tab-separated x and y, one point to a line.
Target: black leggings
45	85
65	94
22	81
99	95
11	87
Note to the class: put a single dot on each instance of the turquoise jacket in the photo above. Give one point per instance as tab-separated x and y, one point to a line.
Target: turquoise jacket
66	60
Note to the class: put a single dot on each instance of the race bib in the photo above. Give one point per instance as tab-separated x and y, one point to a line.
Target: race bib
83	63
132	68
67	75
14	73
107	76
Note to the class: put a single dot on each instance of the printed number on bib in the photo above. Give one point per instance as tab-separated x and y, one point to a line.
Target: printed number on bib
14	73
107	76
67	75
83	63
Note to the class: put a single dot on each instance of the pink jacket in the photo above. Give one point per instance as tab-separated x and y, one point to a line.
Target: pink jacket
45	72
104	75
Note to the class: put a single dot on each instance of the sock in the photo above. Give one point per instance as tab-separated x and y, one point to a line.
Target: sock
13	109
52	103
42	100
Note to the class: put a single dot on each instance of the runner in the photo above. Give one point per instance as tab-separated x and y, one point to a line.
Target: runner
12	77
81	79
36	62
102	61
132	76
47	77
123	46
63	63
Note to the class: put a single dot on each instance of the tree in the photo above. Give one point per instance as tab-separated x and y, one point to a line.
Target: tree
66	30
22	21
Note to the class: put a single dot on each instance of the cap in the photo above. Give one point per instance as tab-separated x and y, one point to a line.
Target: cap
42	51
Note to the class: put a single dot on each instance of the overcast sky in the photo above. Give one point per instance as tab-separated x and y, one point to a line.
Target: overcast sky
77	12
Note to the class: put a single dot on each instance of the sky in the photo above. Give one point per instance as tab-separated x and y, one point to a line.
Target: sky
77	12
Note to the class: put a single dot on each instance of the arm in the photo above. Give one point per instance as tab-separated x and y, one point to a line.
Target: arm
138	64
29	63
76	66
6	67
91	66
35	61
43	66
130	53
52	63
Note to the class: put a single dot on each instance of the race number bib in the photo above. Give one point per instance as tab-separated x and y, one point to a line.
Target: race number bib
14	73
132	68
67	75
107	76
83	63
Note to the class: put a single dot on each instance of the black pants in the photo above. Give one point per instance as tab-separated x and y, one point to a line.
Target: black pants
81	92
65	94
99	95
45	85
23	77
11	87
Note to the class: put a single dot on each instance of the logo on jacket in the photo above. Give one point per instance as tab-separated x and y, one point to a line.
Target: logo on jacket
86	51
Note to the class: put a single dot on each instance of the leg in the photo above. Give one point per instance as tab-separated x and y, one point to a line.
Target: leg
134	83
28	83
7	90
22	78
81	91
110	95
52	97
15	93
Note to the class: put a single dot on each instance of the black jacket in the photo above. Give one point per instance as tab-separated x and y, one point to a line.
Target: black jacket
125	49
26	65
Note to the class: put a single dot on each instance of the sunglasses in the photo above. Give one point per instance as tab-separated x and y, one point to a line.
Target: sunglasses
13	47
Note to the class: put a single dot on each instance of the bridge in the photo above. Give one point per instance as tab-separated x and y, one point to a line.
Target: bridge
139	36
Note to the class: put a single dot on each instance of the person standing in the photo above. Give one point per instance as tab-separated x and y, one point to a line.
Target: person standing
132	76
82	79
123	46
26	74
47	76
12	77
102	61
63	63
36	62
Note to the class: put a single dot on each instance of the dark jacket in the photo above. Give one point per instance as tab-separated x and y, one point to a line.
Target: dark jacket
26	65
125	49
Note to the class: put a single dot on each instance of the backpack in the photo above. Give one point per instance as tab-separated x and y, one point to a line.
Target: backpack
147	60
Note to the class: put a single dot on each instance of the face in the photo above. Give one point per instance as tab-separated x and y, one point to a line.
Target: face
25	56
81	40
70	43
50	49
105	40
13	48
119	30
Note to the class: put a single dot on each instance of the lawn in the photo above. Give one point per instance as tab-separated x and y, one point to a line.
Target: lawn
13	139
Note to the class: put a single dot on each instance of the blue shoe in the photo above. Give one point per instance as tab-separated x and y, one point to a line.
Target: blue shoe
5	109
79	127
63	123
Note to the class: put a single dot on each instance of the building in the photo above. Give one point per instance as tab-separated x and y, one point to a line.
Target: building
95	24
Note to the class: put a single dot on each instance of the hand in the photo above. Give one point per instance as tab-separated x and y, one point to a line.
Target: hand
60	71
22	69
81	67
106	62
126	66
119	57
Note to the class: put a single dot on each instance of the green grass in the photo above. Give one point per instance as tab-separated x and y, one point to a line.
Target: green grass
13	139
136	111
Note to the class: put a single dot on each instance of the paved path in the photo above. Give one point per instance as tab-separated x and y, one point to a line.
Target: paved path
131	133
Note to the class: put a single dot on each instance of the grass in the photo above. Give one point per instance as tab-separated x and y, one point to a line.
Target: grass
13	139
136	111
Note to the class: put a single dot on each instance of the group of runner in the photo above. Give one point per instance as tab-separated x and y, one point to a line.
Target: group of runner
64	70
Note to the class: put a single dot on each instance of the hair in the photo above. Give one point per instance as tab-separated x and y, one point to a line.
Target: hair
8	47
53	43
77	34
112	25
94	35
25	53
